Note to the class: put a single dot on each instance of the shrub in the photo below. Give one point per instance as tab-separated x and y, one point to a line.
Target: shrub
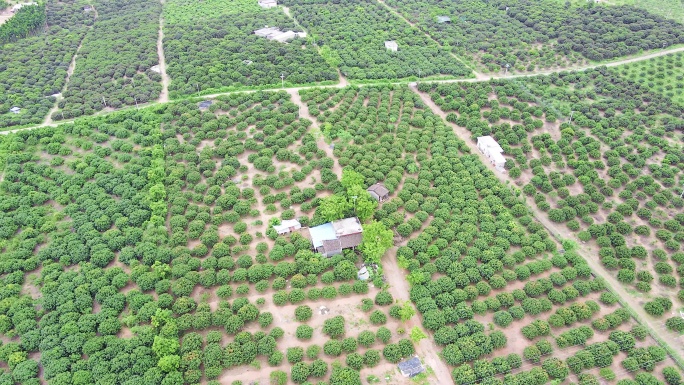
304	332
371	358
503	318
294	355
334	327
383	298
384	334
378	318
303	313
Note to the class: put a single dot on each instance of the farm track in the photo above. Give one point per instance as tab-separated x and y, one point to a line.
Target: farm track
70	71
164	95
399	288
587	251
343	83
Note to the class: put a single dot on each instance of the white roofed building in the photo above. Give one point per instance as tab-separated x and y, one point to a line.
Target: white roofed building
492	150
287	226
268	3
391	45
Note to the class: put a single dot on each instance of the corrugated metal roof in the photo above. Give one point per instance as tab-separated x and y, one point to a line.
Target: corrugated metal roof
321	233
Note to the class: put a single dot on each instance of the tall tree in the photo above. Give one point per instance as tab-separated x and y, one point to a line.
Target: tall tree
376	240
334	207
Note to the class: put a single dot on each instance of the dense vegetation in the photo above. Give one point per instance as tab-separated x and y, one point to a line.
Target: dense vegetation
222	52
352	36
33	68
27	20
115	59
662	75
528	35
135	212
473	253
612	174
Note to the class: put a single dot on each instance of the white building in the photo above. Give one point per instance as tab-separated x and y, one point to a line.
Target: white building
268	3
287	226
391	45
15	110
274	33
491	149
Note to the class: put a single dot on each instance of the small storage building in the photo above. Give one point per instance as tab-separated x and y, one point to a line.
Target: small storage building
492	150
203	105
443	19
411	367
15	110
391	45
287	226
268	3
379	192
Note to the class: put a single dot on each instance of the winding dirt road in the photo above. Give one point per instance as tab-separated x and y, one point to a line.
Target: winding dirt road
588	251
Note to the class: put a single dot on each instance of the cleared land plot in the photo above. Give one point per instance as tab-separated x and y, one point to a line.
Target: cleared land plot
213	51
113	65
352	35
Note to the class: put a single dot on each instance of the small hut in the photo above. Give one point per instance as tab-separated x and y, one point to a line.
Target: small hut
379	192
391	45
411	367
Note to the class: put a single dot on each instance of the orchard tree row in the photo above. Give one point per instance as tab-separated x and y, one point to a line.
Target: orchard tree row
469	239
113	67
524	35
661	75
347	33
222	53
24	22
612	174
34	68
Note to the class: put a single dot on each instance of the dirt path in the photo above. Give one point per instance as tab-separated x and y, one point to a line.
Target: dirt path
164	95
589	252
399	289
343	84
304	113
70	71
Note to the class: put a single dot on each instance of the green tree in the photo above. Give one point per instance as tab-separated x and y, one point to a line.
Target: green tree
345	376
333	207
376	240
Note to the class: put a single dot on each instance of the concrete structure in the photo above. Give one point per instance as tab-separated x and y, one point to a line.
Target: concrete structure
363	274
492	150
287	226
391	45
274	33
443	19
331	238
88	8
379	192
411	367
15	110
268	3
